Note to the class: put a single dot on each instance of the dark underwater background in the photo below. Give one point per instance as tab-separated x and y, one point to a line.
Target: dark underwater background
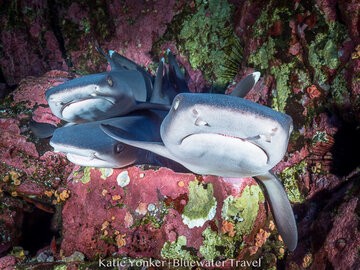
61	216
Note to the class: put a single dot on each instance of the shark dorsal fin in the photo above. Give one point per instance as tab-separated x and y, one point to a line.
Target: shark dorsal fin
114	66
246	84
176	75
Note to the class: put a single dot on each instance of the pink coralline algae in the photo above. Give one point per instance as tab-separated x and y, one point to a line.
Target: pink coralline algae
8	262
27	170
343	239
142	25
29	47
15	148
12	143
350	12
11	219
138	222
329	8
140	212
30	97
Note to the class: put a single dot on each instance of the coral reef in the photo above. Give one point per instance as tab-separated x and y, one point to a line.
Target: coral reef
166	216
309	56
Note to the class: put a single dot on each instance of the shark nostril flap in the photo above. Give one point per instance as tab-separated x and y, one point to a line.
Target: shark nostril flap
200	122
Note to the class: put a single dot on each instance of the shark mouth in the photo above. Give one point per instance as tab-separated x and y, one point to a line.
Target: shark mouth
90	161
95	98
86	104
73	154
215	136
90	157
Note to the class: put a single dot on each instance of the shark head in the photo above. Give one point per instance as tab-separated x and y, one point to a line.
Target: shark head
97	96
226	133
86	145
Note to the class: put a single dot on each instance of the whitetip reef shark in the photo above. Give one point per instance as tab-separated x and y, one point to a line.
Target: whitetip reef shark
227	136
126	88
206	133
86	144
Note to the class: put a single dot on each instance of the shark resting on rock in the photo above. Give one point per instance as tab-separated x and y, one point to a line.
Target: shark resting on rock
250	139
126	88
86	144
227	136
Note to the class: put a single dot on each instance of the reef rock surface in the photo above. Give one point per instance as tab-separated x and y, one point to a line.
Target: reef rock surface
309	55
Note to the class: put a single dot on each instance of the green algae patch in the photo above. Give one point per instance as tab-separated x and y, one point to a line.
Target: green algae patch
289	178
207	35
339	91
320	55
330	54
320	136
60	267
83	175
243	210
260	27
106	172
201	205
177	250
87	175
217	244
282	76
323	51
263	55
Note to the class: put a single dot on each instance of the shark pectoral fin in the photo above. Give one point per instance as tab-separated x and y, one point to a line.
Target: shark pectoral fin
124	137
42	130
153	106
69	124
176	74
116	133
280	208
246	84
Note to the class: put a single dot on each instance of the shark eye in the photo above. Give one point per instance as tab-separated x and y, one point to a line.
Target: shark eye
109	81
195	112
176	104
119	148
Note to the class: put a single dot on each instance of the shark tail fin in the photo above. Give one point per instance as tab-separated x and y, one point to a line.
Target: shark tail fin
280	208
153	106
